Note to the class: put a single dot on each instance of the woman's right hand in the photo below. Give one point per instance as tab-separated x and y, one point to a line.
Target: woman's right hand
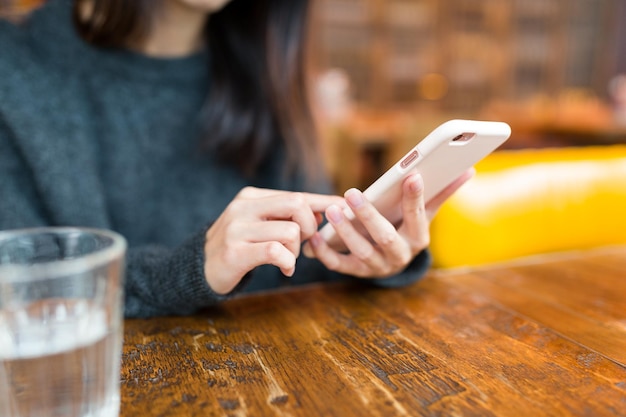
259	227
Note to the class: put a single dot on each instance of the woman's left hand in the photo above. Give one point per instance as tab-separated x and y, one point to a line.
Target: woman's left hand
387	250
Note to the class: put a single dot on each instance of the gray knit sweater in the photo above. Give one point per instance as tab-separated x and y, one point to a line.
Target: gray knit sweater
106	139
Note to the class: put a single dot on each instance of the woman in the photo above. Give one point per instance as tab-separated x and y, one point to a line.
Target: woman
183	125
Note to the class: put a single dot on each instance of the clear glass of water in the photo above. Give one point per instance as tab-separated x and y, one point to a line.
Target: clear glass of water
61	310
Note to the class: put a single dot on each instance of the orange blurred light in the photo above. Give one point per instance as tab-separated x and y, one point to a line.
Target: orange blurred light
433	86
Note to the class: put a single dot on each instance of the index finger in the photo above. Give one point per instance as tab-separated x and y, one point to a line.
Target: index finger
320	202
317	202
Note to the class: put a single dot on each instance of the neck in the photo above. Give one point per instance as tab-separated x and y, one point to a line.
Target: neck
176	32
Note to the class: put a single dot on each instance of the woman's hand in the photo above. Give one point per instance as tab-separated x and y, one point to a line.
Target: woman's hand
387	250
260	227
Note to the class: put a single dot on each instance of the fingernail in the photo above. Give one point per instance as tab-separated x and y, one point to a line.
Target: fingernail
354	197
334	214
417	184
315	240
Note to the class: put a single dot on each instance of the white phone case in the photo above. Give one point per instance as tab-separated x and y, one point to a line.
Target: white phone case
441	157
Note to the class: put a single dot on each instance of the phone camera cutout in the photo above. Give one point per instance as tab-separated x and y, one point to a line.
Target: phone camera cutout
463	138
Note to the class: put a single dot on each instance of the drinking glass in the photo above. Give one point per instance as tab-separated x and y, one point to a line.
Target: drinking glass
61	309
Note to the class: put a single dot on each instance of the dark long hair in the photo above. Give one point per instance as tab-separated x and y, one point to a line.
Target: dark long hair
258	96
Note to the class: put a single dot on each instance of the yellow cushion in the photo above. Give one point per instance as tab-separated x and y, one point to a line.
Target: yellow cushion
534	201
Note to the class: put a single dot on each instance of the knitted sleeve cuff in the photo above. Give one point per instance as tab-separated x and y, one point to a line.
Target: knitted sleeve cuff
162	281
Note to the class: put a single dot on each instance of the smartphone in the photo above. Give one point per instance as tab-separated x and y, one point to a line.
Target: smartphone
441	157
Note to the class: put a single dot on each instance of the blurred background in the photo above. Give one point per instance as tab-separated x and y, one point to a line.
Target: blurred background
386	72
391	70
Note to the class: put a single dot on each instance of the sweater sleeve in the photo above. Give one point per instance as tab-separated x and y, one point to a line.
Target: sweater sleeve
162	281
159	280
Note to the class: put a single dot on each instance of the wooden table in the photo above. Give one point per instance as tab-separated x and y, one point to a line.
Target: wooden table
544	336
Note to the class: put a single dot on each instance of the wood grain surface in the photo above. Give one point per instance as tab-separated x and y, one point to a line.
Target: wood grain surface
545	336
